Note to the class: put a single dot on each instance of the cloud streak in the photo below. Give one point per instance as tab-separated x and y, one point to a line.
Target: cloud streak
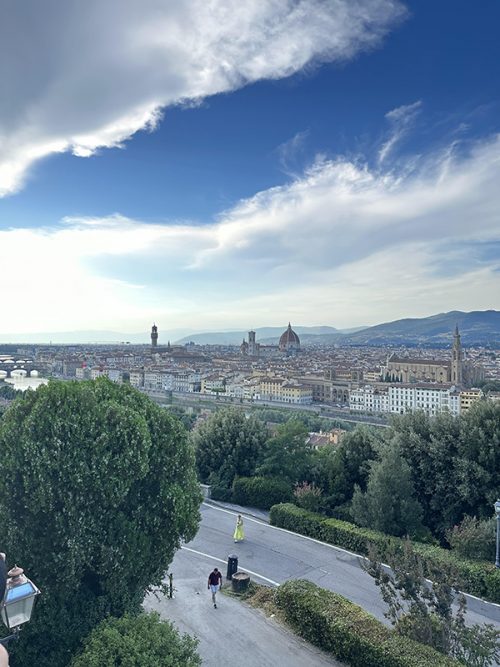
344	244
80	76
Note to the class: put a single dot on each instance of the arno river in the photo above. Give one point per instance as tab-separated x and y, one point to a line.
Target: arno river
23	383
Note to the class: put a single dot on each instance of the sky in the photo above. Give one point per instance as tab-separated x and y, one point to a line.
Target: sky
218	165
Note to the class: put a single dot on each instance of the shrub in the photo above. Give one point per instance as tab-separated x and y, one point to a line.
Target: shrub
308	496
261	492
473	538
142	640
340	627
476	577
221	493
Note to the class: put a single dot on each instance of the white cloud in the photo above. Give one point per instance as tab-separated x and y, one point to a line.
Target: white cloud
342	245
401	120
78	76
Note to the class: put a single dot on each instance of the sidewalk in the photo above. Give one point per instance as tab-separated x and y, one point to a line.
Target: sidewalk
263	515
234	633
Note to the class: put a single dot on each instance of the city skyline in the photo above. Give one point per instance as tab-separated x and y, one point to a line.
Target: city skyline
330	164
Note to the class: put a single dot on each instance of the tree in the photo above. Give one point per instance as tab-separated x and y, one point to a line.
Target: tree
228	445
473	539
137	641
389	503
286	454
101	483
478	459
347	466
425	612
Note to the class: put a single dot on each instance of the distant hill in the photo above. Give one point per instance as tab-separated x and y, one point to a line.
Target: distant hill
267	335
481	327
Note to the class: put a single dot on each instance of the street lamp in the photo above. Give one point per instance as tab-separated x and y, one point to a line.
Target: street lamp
497	512
16	606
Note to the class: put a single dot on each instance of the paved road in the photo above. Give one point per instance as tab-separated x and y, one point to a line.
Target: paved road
234	633
277	555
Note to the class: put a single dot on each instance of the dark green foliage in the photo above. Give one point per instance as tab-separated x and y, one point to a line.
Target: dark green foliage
473	538
490	385
337	471
7	391
187	418
102	485
433	615
389	504
221	493
137	641
228	445
286	453
455	463
475	577
261	492
340	627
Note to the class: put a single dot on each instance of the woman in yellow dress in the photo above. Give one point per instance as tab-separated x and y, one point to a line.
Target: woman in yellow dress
239	534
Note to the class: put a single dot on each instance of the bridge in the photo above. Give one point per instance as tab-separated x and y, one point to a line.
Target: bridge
24	367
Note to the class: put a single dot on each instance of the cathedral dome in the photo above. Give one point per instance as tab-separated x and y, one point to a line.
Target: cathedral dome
289	340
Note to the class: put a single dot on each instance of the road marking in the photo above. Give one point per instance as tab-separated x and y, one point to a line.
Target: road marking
330	546
220	560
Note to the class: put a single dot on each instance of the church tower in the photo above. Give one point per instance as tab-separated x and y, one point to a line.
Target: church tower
456	359
154	335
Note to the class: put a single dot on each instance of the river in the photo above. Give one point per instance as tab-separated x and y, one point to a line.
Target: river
22	383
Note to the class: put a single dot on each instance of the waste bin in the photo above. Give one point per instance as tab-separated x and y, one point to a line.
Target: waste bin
240	581
232	566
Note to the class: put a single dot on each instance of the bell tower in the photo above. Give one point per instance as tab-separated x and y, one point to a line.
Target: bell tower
154	335
456	359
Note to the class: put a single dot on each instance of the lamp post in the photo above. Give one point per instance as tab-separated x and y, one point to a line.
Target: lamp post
17	602
497	512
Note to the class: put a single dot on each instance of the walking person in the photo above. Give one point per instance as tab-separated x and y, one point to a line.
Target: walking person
214	584
239	533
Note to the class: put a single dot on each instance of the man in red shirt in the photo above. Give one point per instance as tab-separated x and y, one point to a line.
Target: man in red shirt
214	584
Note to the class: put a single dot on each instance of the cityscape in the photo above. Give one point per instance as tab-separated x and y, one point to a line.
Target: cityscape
250	333
354	380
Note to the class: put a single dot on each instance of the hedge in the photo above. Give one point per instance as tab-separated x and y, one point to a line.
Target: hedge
261	492
475	577
349	633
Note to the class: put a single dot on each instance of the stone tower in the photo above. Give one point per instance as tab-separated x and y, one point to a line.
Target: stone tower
154	335
456	359
252	346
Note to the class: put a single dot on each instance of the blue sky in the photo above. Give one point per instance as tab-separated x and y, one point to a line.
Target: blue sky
320	162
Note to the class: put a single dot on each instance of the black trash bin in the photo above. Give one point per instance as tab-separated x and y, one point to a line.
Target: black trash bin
232	566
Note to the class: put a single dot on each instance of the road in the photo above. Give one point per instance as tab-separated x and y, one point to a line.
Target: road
273	555
234	633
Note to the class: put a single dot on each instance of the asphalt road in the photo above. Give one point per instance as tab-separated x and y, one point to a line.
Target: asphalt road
273	555
234	633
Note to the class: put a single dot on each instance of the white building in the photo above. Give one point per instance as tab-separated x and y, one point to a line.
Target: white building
399	398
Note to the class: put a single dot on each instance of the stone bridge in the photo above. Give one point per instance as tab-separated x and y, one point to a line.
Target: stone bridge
25	366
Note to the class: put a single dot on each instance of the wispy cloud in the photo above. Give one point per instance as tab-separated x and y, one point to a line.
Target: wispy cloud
290	153
401	121
343	244
79	76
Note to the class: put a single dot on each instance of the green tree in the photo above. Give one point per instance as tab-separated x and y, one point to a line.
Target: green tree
473	539
426	613
478	460
137	641
347	466
228	445
389	503
286	454
102	485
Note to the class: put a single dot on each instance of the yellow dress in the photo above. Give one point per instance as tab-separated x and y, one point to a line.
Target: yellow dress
239	534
